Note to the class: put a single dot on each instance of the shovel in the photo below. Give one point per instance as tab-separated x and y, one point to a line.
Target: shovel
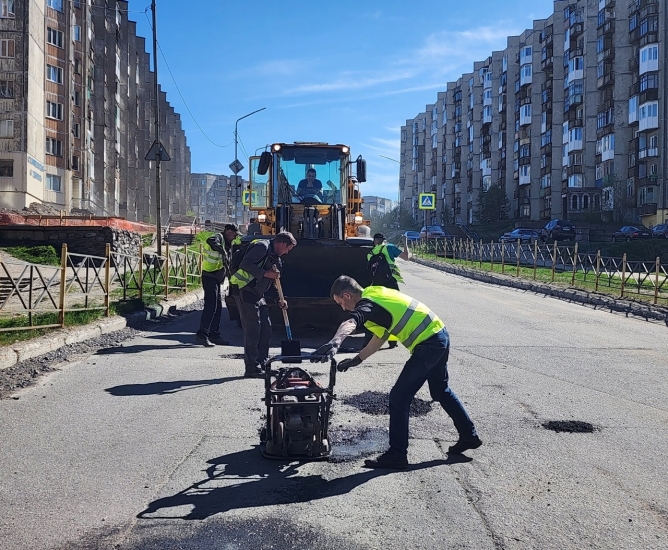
289	347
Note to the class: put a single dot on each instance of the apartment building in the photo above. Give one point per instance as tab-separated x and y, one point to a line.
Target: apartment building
374	206
567	120
76	94
218	198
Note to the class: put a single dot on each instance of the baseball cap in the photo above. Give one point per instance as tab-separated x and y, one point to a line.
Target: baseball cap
232	227
379	236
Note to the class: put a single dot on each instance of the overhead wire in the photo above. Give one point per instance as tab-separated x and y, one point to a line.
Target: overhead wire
179	90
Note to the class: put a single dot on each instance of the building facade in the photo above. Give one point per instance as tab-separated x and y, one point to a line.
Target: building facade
218	198
374	207
77	117
569	121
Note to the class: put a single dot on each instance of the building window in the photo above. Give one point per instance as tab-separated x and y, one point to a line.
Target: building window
54	37
6	8
6	48
6	168
77	98
53	183
76	132
75	163
54	110
77	65
55	4
6	128
76	32
7	89
54	74
54	147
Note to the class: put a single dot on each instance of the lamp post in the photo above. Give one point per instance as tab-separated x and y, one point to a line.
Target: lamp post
236	140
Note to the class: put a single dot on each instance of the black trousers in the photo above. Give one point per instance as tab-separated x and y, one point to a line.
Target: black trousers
257	331
213	307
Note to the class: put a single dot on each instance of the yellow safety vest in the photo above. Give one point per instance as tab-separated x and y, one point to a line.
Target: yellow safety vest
382	248
241	278
212	260
412	321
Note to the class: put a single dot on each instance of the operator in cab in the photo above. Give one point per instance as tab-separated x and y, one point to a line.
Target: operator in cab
310	187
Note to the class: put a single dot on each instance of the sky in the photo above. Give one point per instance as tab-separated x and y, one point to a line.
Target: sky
346	72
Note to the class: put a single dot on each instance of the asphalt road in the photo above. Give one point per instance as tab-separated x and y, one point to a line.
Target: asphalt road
153	444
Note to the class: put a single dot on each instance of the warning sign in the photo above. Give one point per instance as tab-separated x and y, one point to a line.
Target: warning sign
427	201
245	198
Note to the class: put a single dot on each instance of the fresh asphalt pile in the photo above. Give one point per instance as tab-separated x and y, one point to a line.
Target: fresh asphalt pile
26	373
378	403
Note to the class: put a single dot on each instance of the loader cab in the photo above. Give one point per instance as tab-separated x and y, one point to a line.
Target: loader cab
303	188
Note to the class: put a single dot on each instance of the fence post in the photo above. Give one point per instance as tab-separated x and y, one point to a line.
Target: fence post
141	272
32	278
575	264
185	268
623	273
517	254
63	280
535	257
554	259
656	280
480	253
491	255
598	268
503	256
199	262
166	270
107	265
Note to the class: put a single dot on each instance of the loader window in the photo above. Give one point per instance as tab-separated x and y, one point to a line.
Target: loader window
311	179
259	184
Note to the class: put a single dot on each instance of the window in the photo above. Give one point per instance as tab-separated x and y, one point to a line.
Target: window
54	147
6	128
54	110
6	8
75	163
53	183
77	97
76	130
76	32
6	48
7	89
54	74
55	4
54	37
77	65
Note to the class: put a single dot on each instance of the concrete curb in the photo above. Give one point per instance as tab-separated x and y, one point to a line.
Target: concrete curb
14	353
629	307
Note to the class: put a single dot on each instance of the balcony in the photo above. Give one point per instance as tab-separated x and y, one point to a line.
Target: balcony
648	209
606	80
577	29
649	38
607	28
546	214
572	170
606	54
651	94
547	63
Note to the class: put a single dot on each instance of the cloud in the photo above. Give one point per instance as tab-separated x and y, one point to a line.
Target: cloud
349	81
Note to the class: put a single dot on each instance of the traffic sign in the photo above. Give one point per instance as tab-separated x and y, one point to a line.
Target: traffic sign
427	201
246	196
236	166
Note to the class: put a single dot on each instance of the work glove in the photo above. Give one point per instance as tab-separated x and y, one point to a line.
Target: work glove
324	353
344	365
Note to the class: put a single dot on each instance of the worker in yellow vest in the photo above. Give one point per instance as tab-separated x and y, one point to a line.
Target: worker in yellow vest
217	252
389	313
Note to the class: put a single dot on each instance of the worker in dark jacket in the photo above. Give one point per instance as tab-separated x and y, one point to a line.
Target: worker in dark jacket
217	251
390	313
253	282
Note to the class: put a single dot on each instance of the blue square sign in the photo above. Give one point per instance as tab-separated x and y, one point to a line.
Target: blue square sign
427	201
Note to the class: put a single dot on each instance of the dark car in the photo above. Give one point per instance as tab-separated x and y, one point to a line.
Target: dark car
411	236
660	231
558	230
431	231
523	235
631	233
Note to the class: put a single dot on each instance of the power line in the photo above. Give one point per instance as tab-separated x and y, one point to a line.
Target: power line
179	91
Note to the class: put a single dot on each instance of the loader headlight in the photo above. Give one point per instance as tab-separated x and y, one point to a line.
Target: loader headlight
345	149
276	148
359	219
261	217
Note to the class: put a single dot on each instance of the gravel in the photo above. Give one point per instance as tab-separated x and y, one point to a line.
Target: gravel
27	373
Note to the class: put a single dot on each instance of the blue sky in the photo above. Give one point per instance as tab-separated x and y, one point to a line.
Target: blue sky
341	72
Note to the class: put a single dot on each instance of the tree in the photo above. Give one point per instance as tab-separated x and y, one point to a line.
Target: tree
493	205
618	198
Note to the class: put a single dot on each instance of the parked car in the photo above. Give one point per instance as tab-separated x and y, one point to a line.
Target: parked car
524	235
660	231
558	230
631	233
431	231
411	236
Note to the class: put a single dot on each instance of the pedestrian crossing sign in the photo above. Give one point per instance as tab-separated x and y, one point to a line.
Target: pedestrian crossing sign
245	198
427	201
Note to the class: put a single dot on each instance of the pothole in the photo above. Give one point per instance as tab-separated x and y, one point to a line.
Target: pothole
378	403
348	444
569	426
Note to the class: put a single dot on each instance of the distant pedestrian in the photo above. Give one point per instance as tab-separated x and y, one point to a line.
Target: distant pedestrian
388	312
217	252
253	283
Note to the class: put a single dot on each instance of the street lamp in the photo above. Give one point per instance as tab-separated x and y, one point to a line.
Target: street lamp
236	140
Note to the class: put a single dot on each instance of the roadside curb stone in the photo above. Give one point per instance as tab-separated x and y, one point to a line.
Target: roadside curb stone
20	351
629	307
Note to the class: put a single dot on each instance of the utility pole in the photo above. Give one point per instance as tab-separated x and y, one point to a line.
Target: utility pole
236	166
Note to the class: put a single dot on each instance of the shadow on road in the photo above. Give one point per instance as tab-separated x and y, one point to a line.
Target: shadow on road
165	388
252	481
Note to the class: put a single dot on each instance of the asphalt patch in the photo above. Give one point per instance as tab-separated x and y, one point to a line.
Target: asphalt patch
350	444
232	355
569	426
378	403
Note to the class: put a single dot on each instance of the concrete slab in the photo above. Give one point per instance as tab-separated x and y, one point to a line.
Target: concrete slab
81	334
111	324
38	346
8	357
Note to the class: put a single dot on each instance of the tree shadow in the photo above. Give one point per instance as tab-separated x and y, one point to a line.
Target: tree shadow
253	482
166	388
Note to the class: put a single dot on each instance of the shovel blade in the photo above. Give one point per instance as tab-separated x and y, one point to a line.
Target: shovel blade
291	348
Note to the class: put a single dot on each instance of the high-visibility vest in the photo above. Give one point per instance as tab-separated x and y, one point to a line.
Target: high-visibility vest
412	321
212	260
241	278
382	248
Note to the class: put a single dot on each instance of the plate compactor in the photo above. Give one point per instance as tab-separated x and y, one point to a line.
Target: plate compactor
298	409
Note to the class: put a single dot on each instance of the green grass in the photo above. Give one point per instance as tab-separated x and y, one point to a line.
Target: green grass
43	255
72	318
147	239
